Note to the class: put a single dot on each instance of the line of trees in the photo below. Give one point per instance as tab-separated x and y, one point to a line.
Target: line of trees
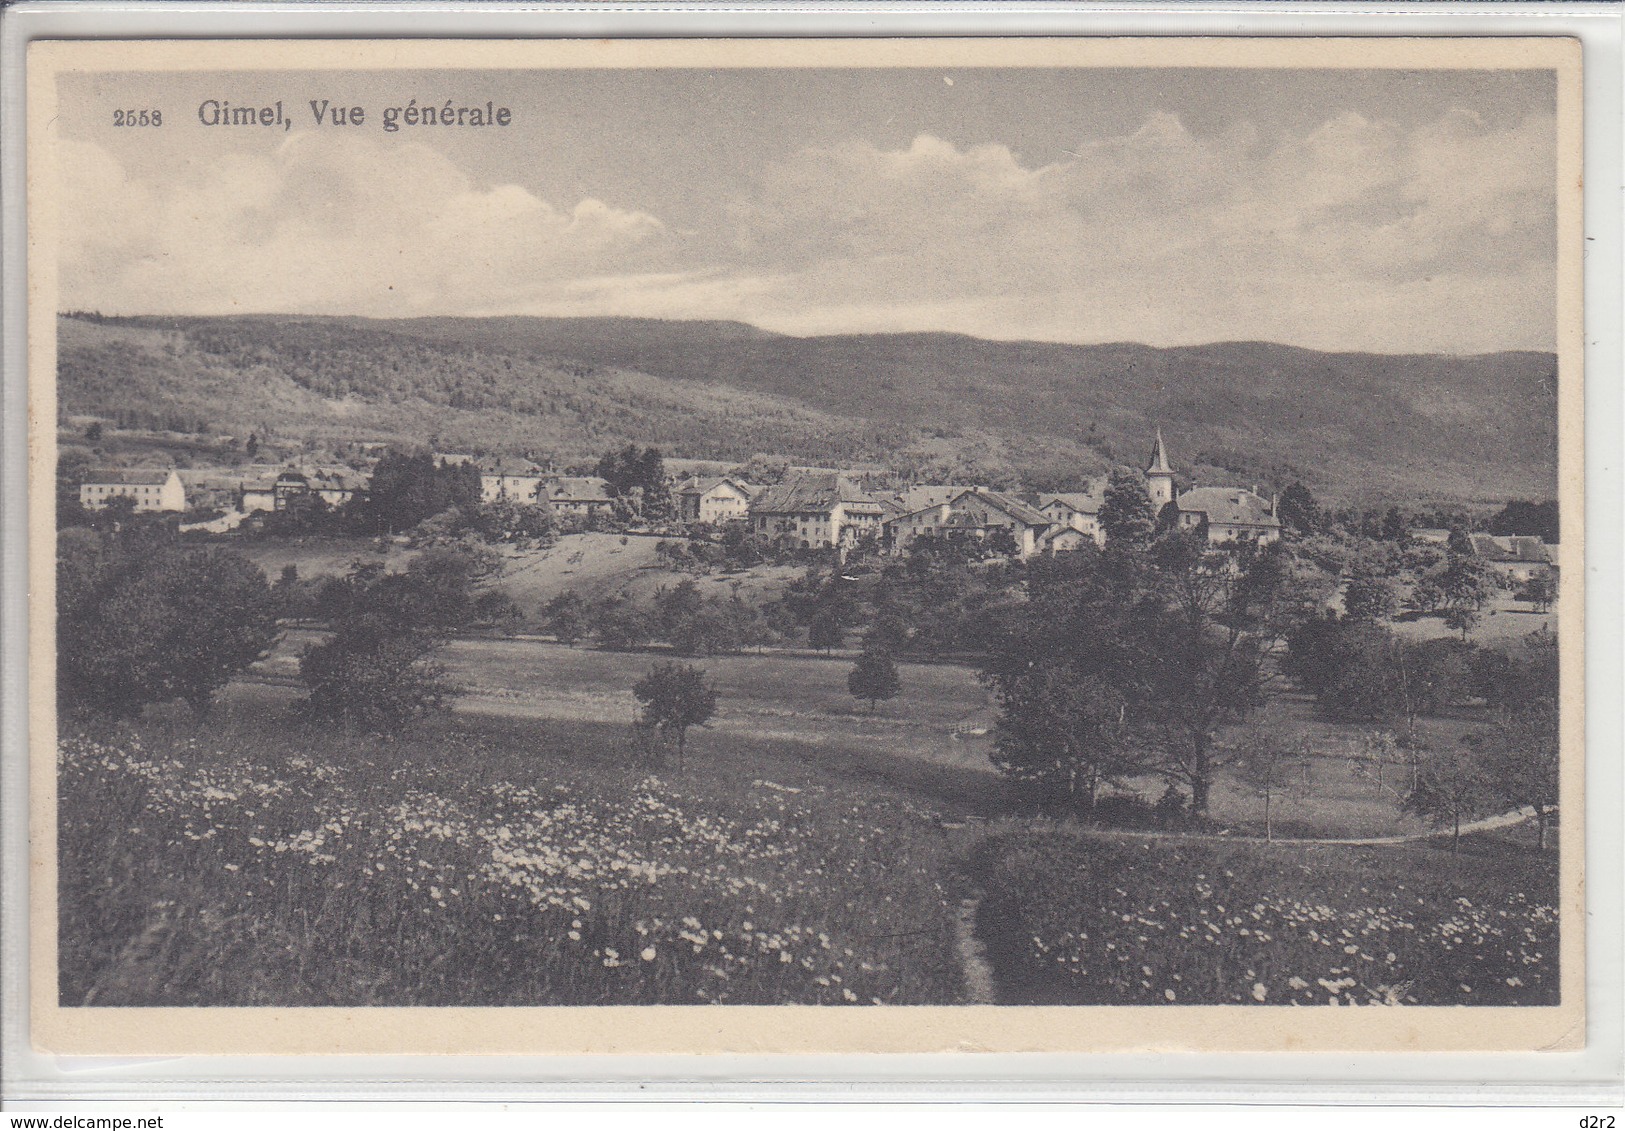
1363	672
144	620
1130	660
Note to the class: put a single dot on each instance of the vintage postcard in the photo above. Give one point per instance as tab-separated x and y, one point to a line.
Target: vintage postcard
806	546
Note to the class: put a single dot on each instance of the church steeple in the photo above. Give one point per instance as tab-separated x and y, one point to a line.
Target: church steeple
1159	477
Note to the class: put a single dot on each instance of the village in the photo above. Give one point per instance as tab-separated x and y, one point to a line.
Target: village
829	706
807	509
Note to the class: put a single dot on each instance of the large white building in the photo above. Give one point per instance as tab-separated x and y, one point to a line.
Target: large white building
513	481
1074	510
972	513
152	489
296	486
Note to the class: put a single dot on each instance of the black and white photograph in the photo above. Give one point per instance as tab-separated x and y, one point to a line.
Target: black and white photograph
1080	528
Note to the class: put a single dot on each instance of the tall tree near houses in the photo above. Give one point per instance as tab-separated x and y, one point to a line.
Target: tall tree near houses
1064	679
651	477
1464	585
1298	511
1201	641
1125	512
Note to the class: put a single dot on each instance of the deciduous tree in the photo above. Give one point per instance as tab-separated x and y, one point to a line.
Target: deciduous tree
874	677
1265	761
1298	511
1451	787
378	669
1125	513
1200	646
675	697
1063	678
143	621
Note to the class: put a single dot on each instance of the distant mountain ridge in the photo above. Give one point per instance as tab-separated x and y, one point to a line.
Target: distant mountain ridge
1479	428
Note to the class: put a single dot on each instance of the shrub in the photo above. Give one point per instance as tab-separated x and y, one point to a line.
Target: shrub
142	622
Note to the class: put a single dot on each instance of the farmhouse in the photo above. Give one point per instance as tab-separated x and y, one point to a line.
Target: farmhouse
1515	557
153	489
513	481
817	509
974	513
714	499
584	495
1078	511
298	486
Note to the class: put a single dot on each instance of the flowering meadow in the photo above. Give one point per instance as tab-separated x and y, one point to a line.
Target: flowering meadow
302	869
1083	919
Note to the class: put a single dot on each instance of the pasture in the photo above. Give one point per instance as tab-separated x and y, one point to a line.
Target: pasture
593	565
944	718
1081	918
253	860
526	849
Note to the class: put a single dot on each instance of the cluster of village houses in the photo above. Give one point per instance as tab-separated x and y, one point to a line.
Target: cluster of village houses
817	508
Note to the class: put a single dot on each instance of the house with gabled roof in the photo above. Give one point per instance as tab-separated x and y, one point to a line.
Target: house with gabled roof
816	509
151	488
1223	515
583	495
714	498
509	480
1515	557
1228	515
296	486
1075	510
974	513
1065	539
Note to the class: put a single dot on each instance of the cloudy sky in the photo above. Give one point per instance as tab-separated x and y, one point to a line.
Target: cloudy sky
1368	210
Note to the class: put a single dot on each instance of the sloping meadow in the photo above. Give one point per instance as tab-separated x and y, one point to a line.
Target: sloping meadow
1086	919
361	872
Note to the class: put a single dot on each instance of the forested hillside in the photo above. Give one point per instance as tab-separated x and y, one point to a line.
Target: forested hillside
336	382
1354	426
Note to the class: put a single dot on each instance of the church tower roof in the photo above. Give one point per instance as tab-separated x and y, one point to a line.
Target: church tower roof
1158	464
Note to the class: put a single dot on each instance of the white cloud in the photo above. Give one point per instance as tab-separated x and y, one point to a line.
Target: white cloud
1356	234
328	225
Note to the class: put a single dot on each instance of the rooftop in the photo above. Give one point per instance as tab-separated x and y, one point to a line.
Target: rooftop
129	476
1231	506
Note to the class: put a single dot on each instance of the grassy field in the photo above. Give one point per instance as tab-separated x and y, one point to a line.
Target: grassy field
943	719
1504	621
796	698
1073	917
593	565
482	860
255	861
